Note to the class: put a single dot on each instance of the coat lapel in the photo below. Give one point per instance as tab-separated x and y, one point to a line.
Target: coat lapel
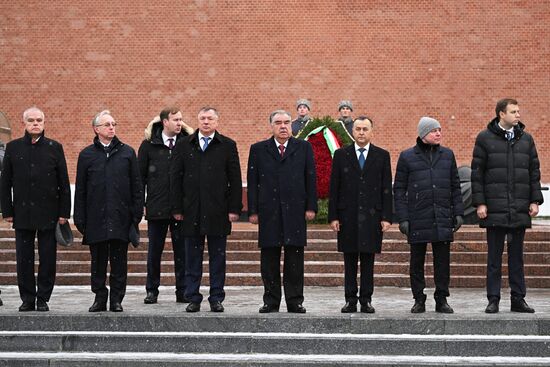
290	148
352	157
272	149
371	157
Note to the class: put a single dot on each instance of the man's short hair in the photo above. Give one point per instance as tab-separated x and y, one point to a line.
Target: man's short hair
165	113
502	104
32	108
95	120
363	118
278	112
208	108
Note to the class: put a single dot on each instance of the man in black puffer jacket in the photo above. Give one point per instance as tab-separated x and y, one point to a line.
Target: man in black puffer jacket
155	158
506	191
428	205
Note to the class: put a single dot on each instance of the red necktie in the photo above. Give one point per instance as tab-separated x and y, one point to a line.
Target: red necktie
282	149
171	143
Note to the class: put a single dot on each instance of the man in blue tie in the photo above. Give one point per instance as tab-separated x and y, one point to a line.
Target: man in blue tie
206	191
360	210
506	191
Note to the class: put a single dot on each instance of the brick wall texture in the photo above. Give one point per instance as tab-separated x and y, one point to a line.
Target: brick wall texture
396	60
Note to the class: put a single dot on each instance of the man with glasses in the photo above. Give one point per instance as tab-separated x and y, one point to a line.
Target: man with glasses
206	191
36	171
108	202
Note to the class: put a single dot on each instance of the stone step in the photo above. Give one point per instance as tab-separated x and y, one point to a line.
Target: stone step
466	257
320	267
275	343
137	359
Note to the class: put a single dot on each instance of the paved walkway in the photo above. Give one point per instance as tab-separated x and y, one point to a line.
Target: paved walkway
319	301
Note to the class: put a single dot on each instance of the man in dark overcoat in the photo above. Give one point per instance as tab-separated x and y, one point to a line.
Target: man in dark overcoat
154	158
428	206
36	171
360	209
506	192
282	195
207	197
108	203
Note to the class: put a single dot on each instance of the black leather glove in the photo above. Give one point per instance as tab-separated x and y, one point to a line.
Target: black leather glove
458	223
404	227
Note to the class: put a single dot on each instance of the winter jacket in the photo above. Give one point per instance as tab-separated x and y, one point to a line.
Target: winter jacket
37	173
109	194
154	159
505	176
427	192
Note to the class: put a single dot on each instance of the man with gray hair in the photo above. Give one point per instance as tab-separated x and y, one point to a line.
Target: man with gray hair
108	207
303	107
36	171
282	196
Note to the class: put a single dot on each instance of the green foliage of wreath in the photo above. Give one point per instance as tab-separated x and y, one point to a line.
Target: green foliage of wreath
339	129
336	126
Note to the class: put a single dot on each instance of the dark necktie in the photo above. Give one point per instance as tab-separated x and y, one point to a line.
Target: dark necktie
171	143
282	150
509	135
205	145
361	157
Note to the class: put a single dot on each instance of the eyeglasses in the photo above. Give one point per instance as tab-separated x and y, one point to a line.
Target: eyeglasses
107	124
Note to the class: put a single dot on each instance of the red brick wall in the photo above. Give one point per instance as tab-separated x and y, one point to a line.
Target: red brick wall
395	60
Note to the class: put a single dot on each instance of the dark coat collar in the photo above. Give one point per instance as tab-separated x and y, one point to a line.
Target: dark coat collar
495	129
28	139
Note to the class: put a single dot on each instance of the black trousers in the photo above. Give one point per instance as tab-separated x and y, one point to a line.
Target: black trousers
350	277
31	288
194	248
293	275
156	231
516	276
441	262
115	252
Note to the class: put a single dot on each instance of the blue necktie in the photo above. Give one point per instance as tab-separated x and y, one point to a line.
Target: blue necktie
205	145
361	157
509	135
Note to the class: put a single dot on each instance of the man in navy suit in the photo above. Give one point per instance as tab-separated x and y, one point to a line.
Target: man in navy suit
360	209
282	195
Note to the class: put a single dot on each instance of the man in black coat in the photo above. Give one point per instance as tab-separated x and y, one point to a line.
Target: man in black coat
360	209
506	191
428	206
108	204
155	158
207	196
36	171
282	195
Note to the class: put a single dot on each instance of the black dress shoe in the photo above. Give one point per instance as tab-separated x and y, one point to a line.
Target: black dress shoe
180	298
492	307
296	308
349	307
41	305
98	306
367	308
443	307
521	306
269	308
115	307
26	306
216	306
150	298
193	307
419	307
